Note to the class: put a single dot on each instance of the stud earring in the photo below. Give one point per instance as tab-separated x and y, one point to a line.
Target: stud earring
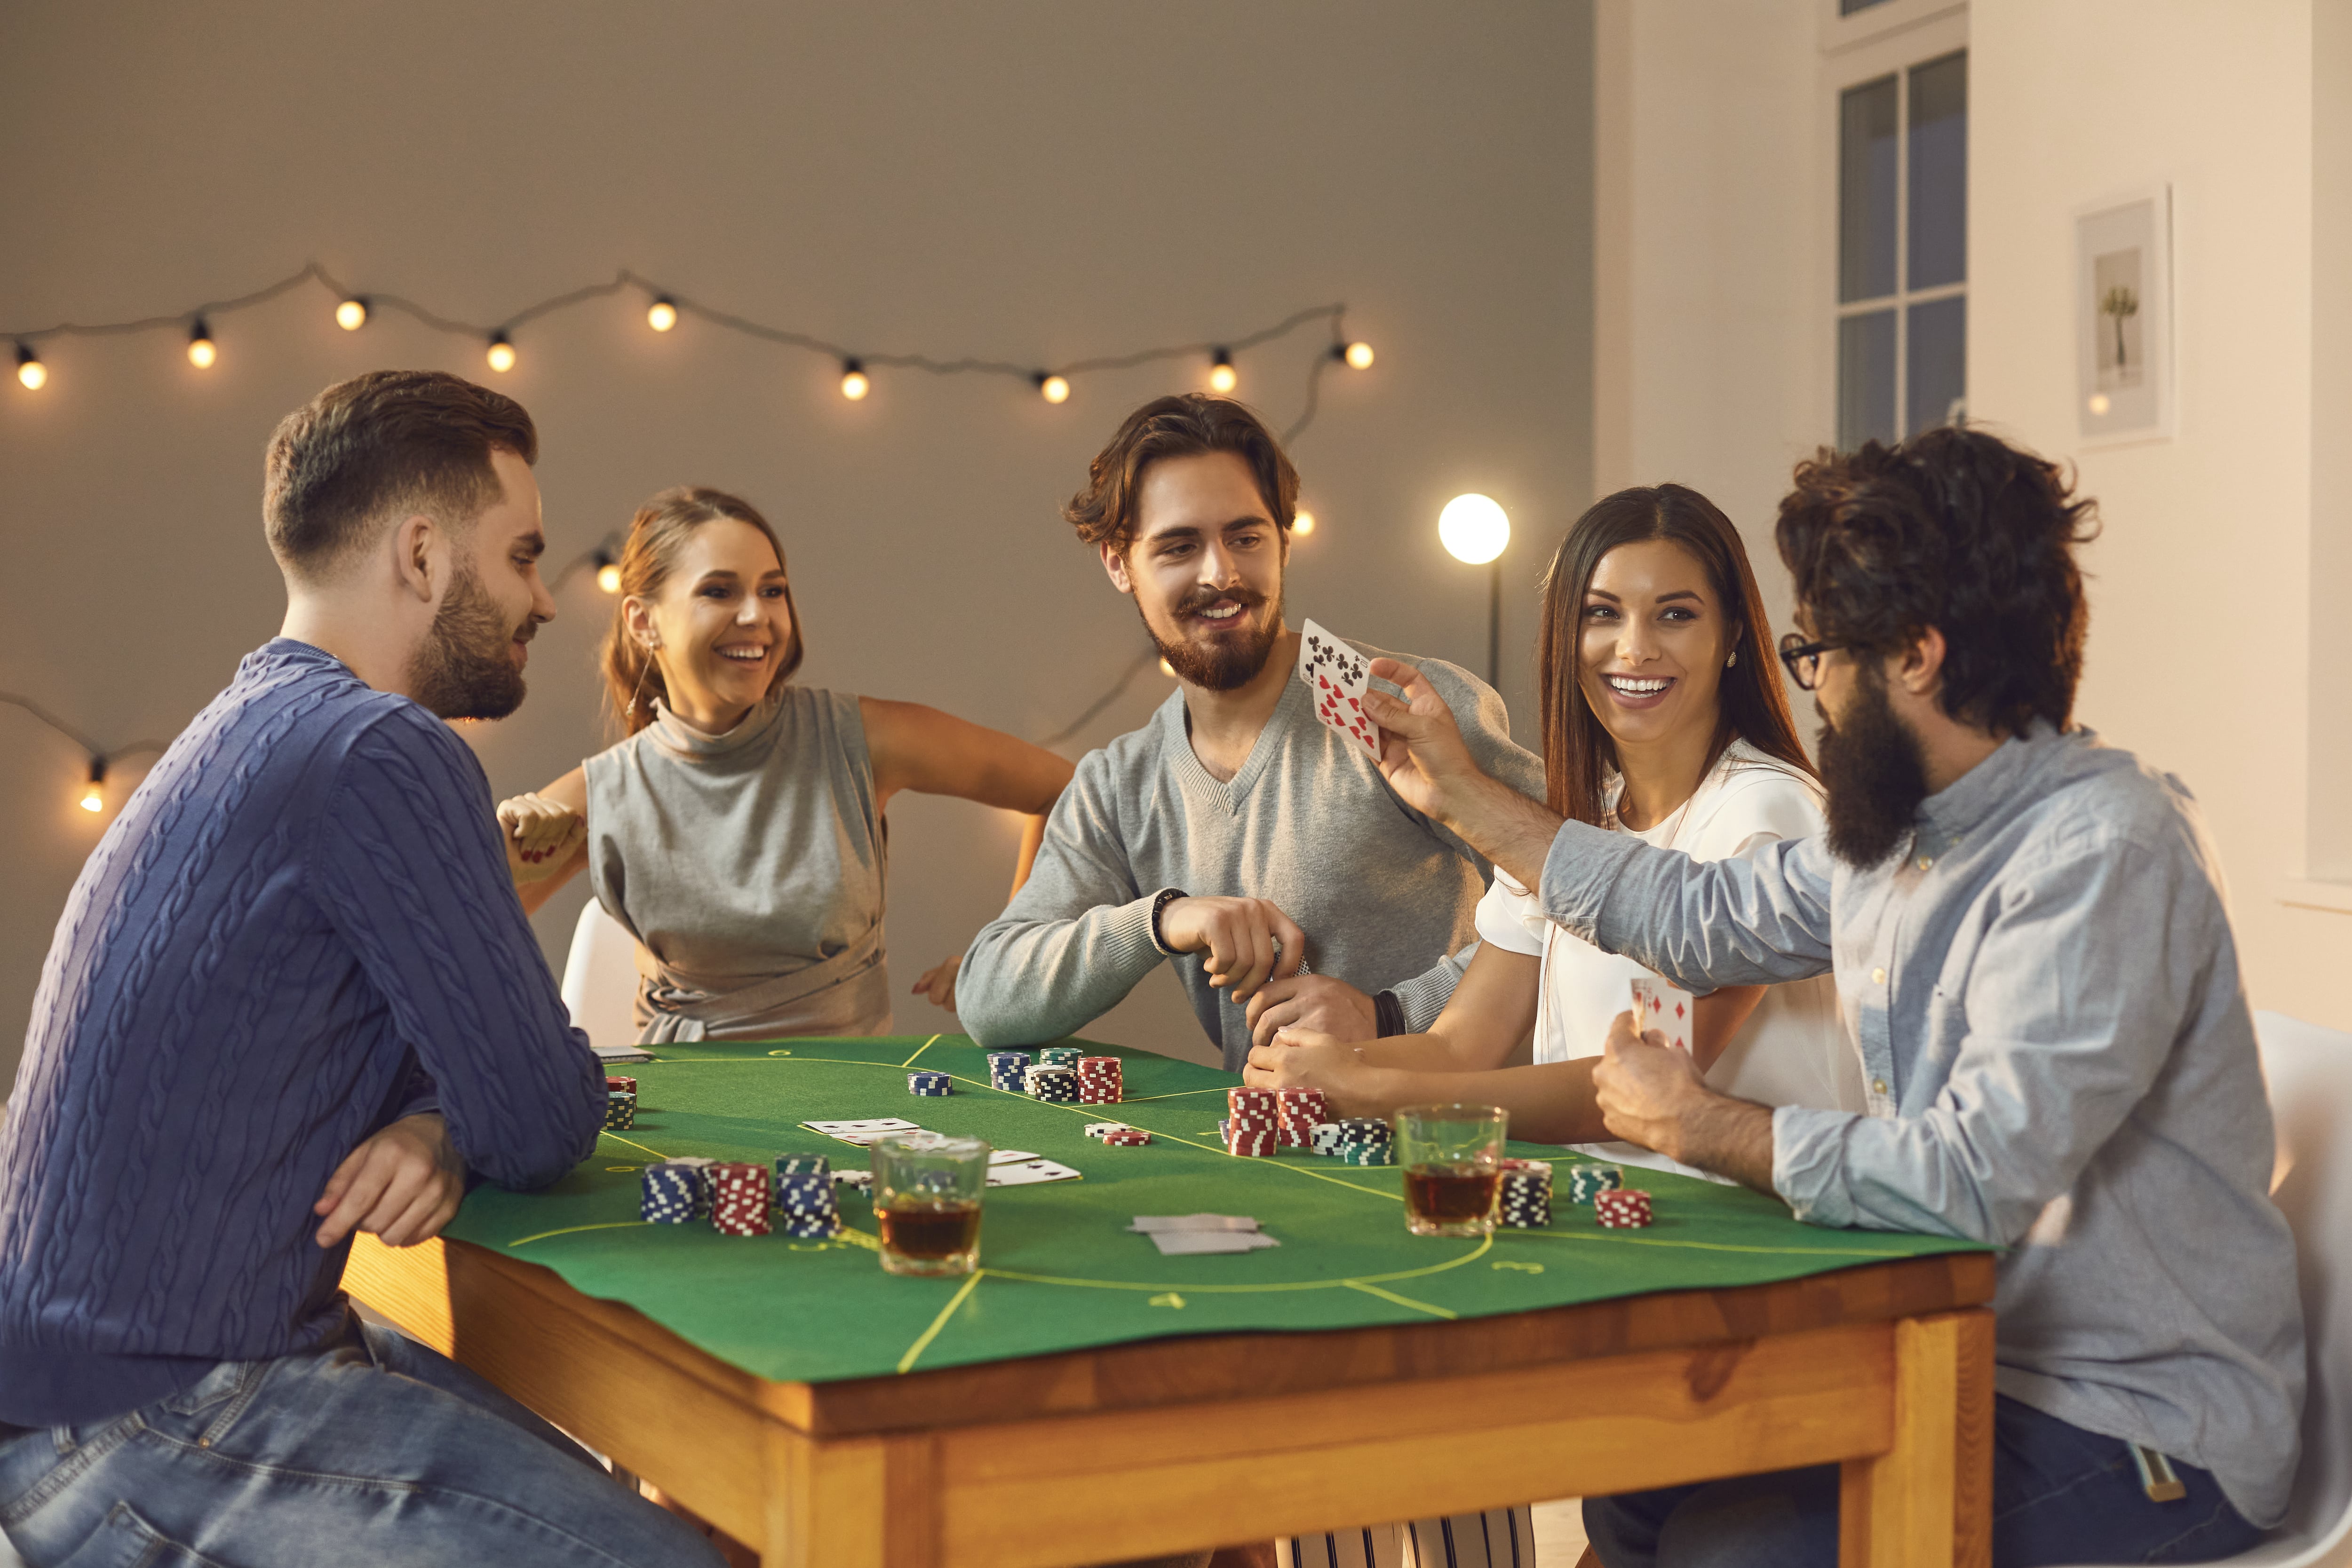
1733	659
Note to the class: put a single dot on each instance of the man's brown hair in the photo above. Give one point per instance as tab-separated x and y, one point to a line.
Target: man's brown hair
383	445
1184	424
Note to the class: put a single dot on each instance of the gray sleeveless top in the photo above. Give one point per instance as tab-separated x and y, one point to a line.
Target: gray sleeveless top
749	867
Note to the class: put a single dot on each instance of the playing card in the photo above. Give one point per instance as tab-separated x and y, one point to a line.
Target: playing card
863	1133
1336	676
1190	1243
1025	1172
1006	1156
1661	1006
1146	1223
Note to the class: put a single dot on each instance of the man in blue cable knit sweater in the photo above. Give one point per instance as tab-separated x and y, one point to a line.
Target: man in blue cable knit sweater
293	995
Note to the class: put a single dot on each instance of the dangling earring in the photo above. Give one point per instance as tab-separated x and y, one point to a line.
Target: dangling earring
651	644
1733	659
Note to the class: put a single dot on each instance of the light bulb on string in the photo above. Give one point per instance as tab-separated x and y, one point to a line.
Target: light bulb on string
608	572
503	352
1223	377
1357	356
1302	522
1474	529
854	383
663	314
94	798
352	314
1053	388
30	371
202	351
1167	669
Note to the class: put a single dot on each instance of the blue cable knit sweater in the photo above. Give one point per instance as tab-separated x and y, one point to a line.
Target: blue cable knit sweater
299	928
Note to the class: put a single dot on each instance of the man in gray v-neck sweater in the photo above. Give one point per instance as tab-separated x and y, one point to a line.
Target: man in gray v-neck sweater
1384	894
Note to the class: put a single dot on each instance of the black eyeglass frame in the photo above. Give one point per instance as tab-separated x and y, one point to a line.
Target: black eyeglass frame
1793	652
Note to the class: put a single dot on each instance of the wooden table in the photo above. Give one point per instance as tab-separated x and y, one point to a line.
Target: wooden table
1178	1444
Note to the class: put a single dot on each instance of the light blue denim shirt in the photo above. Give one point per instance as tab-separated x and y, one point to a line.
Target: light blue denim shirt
2060	1061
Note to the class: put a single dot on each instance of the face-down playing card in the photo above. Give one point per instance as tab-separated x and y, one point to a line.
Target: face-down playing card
1337	677
1665	1007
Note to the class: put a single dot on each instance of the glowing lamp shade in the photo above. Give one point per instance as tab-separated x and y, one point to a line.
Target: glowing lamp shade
855	382
352	315
662	317
1474	529
1223	377
1358	355
1302	522
502	354
202	351
1053	389
608	576
30	371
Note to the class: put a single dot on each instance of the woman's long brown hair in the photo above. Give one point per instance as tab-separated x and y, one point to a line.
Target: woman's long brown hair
632	676
1578	753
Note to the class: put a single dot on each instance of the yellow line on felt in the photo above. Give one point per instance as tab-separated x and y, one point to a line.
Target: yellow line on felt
569	1229
1400	1301
618	1139
939	1323
922	1048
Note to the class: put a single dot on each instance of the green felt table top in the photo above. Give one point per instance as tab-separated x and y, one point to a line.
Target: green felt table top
1059	1270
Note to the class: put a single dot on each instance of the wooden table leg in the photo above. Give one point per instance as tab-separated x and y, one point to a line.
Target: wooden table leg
859	1502
1927	1500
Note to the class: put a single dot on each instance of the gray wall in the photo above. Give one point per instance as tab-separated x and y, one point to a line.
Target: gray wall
1037	183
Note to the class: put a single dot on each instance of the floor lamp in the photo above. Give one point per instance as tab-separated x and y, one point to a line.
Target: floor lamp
1475	531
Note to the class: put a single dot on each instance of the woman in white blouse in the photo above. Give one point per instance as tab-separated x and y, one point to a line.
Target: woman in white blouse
1663	716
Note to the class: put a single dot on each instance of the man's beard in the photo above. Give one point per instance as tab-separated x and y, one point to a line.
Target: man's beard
1230	662
1874	775
466	668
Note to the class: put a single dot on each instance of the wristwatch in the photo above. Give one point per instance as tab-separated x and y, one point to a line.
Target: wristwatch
1167	896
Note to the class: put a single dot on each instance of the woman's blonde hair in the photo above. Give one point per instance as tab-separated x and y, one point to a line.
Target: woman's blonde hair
657	534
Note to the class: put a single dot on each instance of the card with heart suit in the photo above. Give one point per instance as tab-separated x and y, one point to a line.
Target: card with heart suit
1661	1006
1336	676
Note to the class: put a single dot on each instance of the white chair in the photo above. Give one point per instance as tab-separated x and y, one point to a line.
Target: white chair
600	981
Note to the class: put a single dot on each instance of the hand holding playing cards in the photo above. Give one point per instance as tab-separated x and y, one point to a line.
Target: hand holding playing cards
1421	753
1237	938
1320	1002
1645	1088
1305	1059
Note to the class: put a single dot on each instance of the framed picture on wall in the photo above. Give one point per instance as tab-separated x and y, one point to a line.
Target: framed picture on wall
2123	317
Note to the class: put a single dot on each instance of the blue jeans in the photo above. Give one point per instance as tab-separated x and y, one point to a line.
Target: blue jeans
368	1449
2059	1495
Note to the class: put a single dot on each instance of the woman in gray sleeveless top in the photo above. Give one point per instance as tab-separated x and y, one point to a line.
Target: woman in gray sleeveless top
738	832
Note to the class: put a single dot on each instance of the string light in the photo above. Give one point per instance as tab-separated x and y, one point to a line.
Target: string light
94	798
33	374
1167	669
663	314
1222	378
608	571
1053	388
202	351
1302	522
352	314
502	353
854	382
1357	354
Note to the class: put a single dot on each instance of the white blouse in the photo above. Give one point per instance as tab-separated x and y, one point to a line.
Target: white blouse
1792	1050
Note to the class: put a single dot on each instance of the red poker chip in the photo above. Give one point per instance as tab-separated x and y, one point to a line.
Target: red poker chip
1131	1138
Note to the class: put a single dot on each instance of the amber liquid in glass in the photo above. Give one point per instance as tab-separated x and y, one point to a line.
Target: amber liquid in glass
931	1232
1444	1195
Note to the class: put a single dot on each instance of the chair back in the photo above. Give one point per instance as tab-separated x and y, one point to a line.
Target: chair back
599	978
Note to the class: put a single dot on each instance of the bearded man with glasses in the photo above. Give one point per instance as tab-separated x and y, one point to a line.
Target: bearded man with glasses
2029	937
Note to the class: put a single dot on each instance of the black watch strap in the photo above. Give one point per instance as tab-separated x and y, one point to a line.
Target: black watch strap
1166	896
1390	1014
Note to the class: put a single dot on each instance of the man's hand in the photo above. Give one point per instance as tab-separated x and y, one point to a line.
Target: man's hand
540	835
1652	1094
1317	1003
1239	936
939	982
1425	760
403	1185
1303	1059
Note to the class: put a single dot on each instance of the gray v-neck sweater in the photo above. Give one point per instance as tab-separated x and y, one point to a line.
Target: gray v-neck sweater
1384	894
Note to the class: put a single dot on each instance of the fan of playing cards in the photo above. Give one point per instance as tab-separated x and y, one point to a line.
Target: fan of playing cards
1338	676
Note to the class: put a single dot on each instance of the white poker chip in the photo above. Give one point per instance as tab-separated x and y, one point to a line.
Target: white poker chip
1096	1129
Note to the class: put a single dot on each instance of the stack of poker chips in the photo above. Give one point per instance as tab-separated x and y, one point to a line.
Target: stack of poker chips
1127	1138
807	1204
1252	1126
1098	1080
1060	1056
620	1104
1527	1194
1622	1208
803	1164
928	1083
1055	1085
1358	1140
1006	1069
739	1199
1586	1183
673	1192
1301	1111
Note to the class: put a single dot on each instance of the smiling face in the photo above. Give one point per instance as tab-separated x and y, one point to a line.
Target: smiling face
720	626
1205	568
1653	641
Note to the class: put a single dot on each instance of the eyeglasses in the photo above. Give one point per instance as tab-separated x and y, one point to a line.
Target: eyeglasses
1805	659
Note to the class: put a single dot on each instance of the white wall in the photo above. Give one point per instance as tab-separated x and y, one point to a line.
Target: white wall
1037	181
2201	616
